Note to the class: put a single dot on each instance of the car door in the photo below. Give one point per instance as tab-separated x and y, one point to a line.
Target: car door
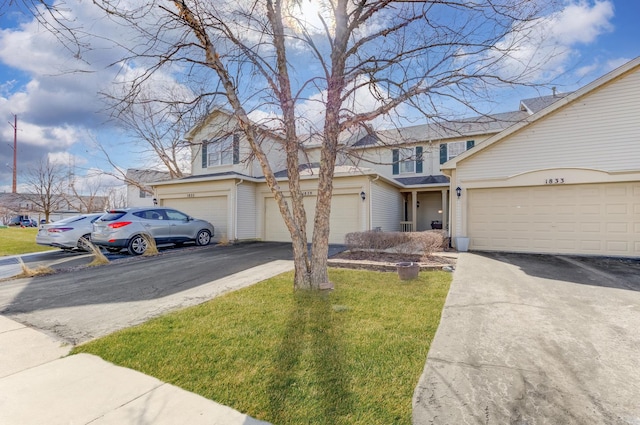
181	228
155	223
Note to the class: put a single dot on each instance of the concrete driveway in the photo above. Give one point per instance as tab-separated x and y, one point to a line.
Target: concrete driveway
535	339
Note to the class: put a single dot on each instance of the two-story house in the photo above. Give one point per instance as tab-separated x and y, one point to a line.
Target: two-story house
386	180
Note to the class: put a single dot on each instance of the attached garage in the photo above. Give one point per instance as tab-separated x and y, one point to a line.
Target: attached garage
345	218
566	180
592	219
211	208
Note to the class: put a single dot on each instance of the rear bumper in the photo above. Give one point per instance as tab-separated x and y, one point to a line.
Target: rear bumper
116	243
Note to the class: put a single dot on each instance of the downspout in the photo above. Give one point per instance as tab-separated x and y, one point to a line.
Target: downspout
235	213
371	201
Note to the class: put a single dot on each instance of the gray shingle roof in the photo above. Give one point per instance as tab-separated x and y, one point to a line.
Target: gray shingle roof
536	104
422	180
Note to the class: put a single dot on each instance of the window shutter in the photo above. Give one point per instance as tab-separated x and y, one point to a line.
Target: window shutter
204	154
418	159
470	144
443	153
396	157
236	148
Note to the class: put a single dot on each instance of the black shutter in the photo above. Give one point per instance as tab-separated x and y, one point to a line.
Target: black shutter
396	157
470	144
204	154
418	159
236	148
443	153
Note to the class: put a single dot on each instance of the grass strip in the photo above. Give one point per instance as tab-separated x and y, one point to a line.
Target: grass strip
349	356
16	240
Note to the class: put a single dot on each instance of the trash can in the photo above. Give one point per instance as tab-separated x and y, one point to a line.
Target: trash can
462	244
408	270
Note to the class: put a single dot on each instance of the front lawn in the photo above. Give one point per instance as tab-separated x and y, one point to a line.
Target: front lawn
15	240
351	356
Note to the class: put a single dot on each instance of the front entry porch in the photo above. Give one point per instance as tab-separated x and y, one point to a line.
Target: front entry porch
425	209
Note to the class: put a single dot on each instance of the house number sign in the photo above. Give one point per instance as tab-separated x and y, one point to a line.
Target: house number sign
191	195
554	181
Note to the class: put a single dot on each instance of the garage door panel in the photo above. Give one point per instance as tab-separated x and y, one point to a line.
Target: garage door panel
210	208
600	219
345	218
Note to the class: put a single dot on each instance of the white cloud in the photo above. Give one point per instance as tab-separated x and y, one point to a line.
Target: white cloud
544	49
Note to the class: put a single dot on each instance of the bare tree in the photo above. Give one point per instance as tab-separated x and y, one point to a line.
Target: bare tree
157	126
354	60
45	186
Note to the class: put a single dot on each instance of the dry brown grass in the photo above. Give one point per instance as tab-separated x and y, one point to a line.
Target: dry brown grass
152	248
38	271
224	241
98	257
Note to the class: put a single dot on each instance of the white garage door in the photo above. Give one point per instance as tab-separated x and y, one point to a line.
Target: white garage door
211	208
598	219
345	218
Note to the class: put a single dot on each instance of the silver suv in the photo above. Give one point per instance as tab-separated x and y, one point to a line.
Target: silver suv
126	227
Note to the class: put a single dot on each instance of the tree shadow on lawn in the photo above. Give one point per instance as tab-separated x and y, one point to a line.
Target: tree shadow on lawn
312	340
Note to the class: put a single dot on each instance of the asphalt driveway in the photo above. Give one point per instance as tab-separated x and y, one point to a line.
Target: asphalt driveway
85	303
535	339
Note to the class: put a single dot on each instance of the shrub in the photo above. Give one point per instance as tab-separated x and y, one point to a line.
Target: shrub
403	242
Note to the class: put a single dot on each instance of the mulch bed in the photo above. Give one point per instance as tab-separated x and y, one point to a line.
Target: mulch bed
386	261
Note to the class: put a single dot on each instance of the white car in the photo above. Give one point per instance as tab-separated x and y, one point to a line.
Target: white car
68	233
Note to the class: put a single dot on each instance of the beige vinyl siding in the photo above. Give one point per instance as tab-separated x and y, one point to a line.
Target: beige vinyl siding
246	211
593	219
599	131
386	207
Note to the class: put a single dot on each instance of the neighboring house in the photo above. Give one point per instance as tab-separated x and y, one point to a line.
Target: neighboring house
139	192
565	180
390	181
62	206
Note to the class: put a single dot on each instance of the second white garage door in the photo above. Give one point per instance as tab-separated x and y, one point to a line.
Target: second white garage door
345	218
598	219
210	208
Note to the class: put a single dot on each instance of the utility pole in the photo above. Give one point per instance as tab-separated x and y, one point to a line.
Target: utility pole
15	154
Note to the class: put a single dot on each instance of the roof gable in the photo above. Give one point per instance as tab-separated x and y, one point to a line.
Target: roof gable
631	66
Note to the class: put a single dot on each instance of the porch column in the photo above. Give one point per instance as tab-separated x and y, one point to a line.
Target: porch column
414	211
445	209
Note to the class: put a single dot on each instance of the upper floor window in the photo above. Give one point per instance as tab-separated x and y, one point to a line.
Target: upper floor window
222	151
452	149
407	160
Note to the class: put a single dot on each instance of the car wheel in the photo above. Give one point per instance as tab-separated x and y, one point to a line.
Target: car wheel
84	243
137	245
203	238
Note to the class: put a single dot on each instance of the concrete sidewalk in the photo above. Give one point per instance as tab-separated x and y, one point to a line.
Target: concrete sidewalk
39	385
535	339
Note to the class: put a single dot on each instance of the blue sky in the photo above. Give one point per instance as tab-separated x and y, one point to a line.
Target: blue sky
61	116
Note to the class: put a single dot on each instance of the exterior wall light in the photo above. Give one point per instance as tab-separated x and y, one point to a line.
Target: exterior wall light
458	191
363	195
155	201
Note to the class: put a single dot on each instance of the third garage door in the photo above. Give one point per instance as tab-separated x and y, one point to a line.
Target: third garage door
598	219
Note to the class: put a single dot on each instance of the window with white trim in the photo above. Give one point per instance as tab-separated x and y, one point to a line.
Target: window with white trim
220	151
407	160
455	148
